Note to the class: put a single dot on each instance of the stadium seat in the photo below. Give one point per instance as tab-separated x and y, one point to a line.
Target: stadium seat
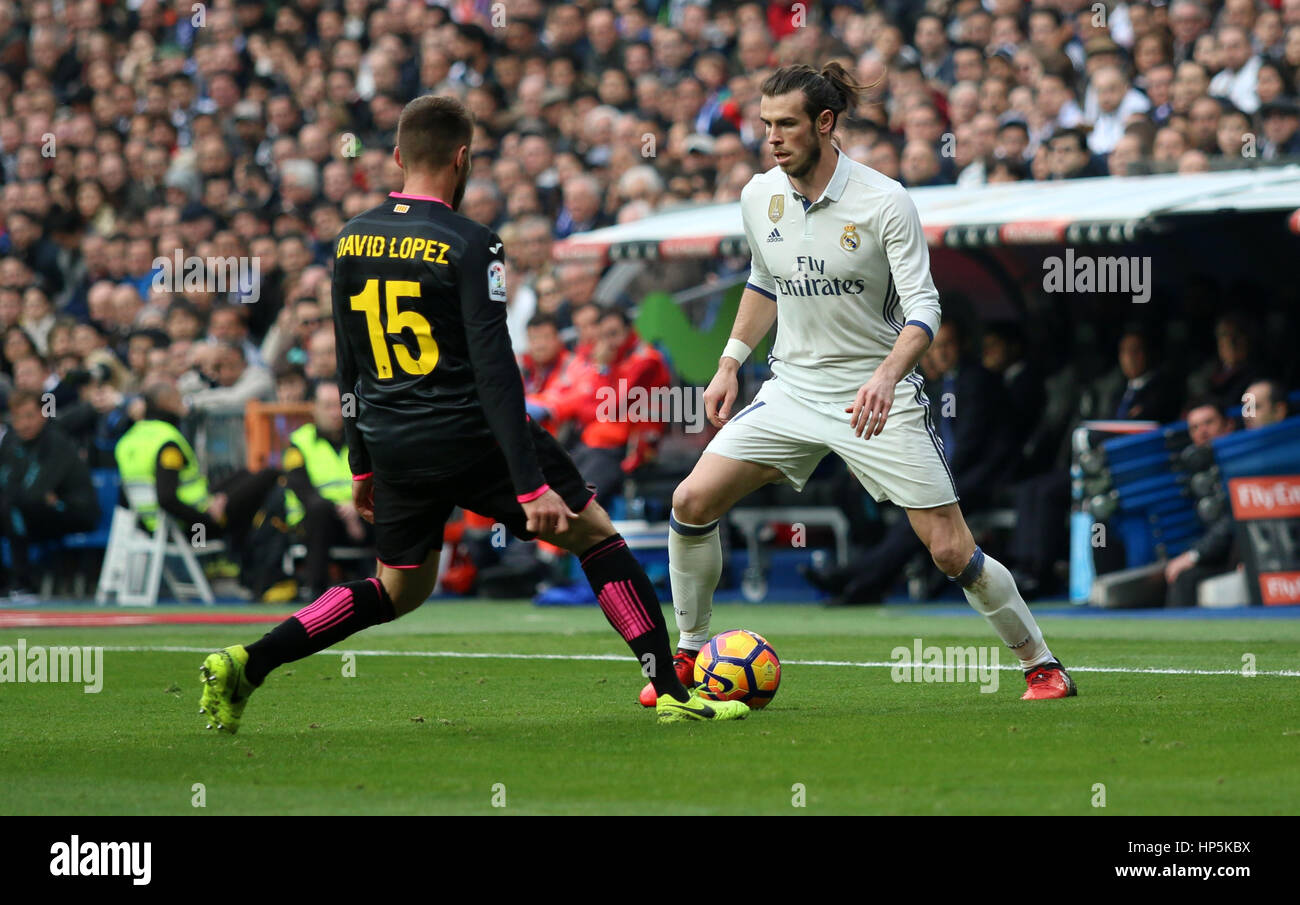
299	551
135	563
107	484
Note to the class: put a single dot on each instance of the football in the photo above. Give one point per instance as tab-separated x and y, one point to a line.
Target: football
738	666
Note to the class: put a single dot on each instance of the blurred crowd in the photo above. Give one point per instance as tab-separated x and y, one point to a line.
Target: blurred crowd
238	130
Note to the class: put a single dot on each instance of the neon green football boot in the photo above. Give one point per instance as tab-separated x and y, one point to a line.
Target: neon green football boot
671	710
225	689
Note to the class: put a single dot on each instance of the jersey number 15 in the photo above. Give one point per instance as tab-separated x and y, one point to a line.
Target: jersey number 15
367	301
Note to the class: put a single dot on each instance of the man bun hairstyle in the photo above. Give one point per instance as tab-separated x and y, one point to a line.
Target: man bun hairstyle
833	89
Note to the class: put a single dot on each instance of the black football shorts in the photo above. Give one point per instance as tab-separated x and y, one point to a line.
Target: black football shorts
410	513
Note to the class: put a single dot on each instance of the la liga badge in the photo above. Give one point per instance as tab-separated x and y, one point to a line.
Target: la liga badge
497	281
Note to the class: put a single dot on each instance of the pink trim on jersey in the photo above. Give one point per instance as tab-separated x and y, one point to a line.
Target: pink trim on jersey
624	609
329	610
362	477
418	197
391	566
586	504
529	497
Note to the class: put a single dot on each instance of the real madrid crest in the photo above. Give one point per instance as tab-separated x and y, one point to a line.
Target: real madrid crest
776	208
849	239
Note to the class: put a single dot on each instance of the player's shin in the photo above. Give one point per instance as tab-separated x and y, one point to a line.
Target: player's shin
991	590
694	567
629	602
341	611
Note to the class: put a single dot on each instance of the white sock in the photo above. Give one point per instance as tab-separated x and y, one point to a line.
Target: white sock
991	590
694	567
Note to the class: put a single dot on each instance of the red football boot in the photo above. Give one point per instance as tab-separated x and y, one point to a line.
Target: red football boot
684	663
1050	680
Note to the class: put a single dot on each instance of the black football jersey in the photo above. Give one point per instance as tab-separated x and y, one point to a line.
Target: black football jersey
422	345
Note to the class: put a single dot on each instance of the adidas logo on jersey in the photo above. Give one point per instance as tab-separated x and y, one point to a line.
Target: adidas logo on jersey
774	236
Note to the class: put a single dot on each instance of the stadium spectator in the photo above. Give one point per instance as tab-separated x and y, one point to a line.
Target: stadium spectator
34	375
1211	554
38	317
552	301
1003	353
1110	107
1070	157
1126	154
139	346
28	245
45	485
225	381
1188	21
546	357
1273	83
1169	146
1236	81
1226	377
287	341
1264	403
1281	119
1012	140
321	361
290	384
226	324
1203	120
920	165
1137	388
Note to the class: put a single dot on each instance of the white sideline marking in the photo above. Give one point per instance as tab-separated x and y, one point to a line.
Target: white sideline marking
865	664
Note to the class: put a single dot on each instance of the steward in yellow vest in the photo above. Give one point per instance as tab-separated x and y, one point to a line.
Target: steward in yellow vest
319	481
155	455
160	473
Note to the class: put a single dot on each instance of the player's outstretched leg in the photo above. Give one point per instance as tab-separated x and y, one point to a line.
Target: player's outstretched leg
629	602
231	675
991	591
695	549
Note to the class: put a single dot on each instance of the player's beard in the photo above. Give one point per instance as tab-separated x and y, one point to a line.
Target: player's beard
810	162
460	188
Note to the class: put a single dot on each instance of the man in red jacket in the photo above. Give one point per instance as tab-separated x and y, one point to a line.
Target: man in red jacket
594	392
546	356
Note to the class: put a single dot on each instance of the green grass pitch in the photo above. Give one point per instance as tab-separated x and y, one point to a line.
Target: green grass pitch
423	734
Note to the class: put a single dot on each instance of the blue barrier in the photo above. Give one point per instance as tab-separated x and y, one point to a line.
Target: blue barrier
1156	514
1264	451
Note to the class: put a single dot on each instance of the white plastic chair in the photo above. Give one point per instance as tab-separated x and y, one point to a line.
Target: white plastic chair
135	563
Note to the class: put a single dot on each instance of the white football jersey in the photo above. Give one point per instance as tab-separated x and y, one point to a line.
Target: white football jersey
847	272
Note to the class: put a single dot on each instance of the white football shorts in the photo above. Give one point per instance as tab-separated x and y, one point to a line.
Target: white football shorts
904	463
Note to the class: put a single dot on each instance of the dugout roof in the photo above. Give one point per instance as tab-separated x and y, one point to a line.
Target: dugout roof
1109	210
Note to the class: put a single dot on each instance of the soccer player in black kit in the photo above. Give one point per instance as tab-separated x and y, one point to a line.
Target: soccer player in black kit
434	414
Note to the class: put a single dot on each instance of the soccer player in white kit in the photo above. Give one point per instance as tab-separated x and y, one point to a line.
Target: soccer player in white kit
840	260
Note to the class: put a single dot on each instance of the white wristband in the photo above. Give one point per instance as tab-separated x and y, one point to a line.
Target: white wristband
737	350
